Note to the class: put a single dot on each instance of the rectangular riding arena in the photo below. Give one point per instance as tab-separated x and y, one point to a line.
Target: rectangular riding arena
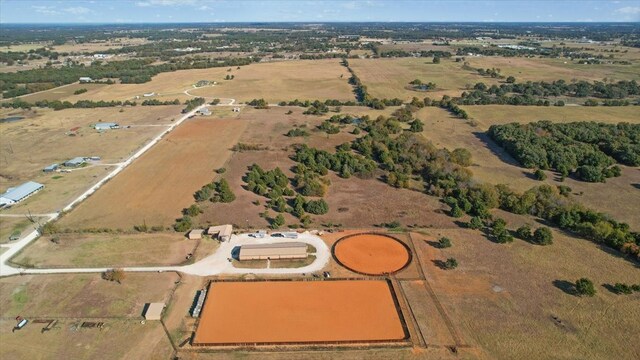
300	312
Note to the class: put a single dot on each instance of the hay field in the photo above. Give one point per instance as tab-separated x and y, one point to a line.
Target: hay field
82	295
158	185
388	78
617	197
106	250
286	80
536	69
352	202
520	287
58	93
298	311
41	139
9	225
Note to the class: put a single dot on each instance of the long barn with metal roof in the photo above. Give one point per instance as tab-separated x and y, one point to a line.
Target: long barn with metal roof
19	193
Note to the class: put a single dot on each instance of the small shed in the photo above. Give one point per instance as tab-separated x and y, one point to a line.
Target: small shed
85	79
51	168
153	311
222	232
195	234
106	126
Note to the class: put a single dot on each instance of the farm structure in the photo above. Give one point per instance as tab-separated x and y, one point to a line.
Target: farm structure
75	162
204	112
51	168
222	232
285	250
195	234
19	193
85	79
290	311
153	311
106	126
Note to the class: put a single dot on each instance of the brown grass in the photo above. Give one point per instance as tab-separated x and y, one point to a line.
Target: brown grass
162	182
259	312
96	250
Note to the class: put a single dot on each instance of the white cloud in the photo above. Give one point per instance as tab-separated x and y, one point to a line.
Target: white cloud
77	10
147	3
629	10
46	10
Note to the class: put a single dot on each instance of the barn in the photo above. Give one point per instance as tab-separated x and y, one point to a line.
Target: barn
19	193
274	251
106	126
222	232
75	162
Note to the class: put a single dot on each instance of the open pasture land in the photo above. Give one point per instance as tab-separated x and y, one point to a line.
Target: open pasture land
389	78
118	339
542	69
45	137
106	250
10	225
353	202
618	196
528	306
158	185
286	80
82	295
59	93
299	311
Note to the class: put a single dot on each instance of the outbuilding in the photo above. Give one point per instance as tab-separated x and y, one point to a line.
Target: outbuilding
222	232
274	251
106	126
85	79
75	162
195	234
51	168
19	193
153	311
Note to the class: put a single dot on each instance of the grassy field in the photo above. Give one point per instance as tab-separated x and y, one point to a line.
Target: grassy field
389	78
82	295
158	185
59	93
98	250
352	202
119	339
617	196
318	79
42	138
9	225
522	287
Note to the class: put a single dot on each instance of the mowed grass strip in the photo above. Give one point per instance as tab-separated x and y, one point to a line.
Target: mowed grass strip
158	185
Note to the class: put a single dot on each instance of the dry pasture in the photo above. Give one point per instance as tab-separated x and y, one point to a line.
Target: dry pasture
106	250
158	185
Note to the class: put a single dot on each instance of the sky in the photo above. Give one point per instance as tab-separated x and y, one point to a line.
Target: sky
171	11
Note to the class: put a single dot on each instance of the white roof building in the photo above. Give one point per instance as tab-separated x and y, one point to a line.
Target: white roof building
106	126
19	193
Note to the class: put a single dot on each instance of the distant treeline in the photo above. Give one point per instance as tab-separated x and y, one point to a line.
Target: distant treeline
129	72
587	150
362	95
81	104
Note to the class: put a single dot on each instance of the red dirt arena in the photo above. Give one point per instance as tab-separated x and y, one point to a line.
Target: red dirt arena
299	312
371	254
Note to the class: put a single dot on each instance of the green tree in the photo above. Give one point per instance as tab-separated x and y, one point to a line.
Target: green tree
511	79
524	232
193	210
475	223
543	236
444	242
225	194
436	60
416	126
451	263
585	287
277	221
622	289
540	175
317	207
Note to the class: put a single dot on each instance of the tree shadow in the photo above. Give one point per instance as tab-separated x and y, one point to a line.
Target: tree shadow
496	149
610	288
435	244
439	263
529	175
566	286
637	186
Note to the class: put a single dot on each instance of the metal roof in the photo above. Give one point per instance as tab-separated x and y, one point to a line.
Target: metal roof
76	160
274	245
51	167
20	192
105	124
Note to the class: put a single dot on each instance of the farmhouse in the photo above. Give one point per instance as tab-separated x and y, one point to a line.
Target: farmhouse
105	126
223	232
75	162
288	250
51	168
195	234
19	193
153	311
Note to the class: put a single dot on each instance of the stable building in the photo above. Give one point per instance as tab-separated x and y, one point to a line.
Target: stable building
274	251
19	193
195	234
222	232
75	162
51	168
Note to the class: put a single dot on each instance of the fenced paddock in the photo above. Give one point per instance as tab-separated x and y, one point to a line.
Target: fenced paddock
372	254
245	313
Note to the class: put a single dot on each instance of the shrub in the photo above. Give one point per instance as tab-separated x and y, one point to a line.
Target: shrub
475	223
117	275
193	210
317	207
444	242
622	289
543	236
540	175
585	287
277	221
450	264
524	232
